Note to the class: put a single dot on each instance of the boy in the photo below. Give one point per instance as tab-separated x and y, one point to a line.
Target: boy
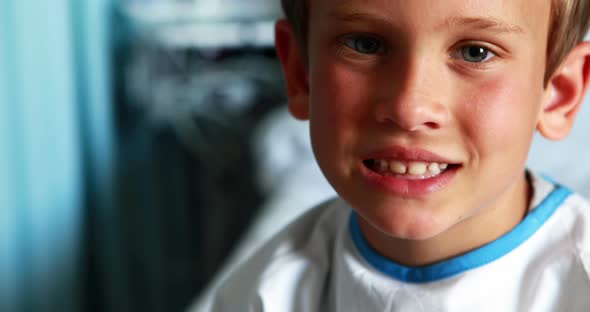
421	116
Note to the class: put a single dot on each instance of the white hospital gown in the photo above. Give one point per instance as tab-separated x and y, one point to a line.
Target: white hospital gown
322	263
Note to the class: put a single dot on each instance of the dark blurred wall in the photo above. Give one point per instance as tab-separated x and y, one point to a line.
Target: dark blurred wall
189	91
126	166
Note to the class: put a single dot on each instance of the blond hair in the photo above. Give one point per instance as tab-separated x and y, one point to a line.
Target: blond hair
569	23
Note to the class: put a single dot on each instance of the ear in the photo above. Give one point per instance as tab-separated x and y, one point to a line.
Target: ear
565	94
294	69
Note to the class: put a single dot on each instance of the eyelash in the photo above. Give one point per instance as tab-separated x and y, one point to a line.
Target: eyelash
352	42
460	54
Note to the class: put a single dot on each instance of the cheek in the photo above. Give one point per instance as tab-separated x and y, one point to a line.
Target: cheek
502	111
336	101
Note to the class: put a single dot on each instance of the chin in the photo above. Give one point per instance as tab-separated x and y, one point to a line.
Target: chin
414	232
409	225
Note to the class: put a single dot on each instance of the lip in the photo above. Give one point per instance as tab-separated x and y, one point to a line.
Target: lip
406	186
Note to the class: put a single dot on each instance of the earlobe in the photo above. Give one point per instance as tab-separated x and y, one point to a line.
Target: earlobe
294	69
565	94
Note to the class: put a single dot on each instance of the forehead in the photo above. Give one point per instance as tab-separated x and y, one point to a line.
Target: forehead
520	16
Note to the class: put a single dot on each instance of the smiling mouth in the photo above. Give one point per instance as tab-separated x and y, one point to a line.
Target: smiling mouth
418	170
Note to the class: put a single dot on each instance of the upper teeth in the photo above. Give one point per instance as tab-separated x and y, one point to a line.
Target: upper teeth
415	168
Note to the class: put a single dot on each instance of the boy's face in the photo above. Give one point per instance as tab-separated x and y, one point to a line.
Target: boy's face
398	83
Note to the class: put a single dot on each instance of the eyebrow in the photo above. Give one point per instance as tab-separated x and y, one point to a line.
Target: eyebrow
355	16
476	23
484	24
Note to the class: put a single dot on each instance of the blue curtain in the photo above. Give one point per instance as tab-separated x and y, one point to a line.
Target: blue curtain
56	151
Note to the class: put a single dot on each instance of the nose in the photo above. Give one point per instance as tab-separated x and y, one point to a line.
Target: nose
413	97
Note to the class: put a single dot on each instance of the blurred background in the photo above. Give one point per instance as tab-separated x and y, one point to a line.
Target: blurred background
145	144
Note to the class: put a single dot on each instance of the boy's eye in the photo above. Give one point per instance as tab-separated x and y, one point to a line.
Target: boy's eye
364	44
475	54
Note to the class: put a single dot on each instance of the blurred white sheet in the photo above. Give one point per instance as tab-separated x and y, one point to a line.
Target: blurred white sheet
289	175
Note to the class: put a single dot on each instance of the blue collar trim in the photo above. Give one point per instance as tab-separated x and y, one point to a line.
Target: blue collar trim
471	260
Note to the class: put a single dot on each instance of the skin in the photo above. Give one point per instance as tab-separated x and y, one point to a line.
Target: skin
418	90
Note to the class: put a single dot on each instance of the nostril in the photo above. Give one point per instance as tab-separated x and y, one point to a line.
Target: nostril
432	125
413	114
413	121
